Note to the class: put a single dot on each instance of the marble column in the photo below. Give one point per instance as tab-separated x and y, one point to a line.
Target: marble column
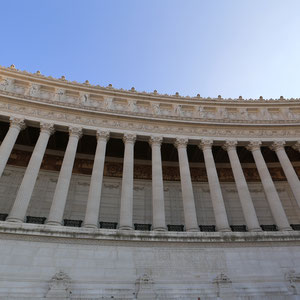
288	169
189	208
16	125
158	203
64	178
18	211
242	187
269	187
126	208
214	187
93	203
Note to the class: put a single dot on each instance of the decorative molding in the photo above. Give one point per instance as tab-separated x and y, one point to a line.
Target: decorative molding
215	111
59	101
102	135
155	140
75	131
277	145
229	145
47	127
293	280
129	138
144	288
59	286
205	144
297	146
17	122
181	142
222	278
253	145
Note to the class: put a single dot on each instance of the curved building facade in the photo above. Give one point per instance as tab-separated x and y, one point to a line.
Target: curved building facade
115	194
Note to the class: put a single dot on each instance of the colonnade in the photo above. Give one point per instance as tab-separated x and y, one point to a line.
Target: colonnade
18	211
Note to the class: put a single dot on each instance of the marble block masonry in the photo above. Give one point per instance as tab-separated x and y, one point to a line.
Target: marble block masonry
73	228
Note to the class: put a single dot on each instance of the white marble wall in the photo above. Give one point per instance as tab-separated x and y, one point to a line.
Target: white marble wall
179	271
110	202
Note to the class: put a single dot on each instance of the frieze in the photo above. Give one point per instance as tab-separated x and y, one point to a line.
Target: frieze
218	112
191	130
141	171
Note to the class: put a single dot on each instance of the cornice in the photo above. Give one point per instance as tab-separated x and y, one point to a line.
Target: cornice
39	98
64	119
110	90
147	116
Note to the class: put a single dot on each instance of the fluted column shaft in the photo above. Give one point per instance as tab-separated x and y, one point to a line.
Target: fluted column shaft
269	187
288	169
189	208
242	187
21	203
214	187
126	207
64	178
16	125
158	204
93	203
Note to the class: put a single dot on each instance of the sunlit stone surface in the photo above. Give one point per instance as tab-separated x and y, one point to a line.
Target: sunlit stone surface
114	194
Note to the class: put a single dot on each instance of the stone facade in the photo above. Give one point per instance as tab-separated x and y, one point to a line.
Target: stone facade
175	229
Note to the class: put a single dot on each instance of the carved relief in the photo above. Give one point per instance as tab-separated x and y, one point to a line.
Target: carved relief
178	110
59	286
155	109
144	288
108	104
59	94
34	90
132	106
293	280
6	84
84	99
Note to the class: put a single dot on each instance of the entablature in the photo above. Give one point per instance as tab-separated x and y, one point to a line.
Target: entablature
60	93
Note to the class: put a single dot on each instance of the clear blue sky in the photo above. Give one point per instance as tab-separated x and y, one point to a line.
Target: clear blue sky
227	47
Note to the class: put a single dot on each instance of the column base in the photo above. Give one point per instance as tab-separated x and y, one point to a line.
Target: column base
255	230
286	229
125	227
14	220
160	229
90	226
224	230
193	230
53	223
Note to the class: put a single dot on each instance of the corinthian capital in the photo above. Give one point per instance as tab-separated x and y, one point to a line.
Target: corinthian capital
229	145
75	131
155	140
205	144
253	145
181	142
47	127
17	123
102	135
277	145
129	138
297	146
